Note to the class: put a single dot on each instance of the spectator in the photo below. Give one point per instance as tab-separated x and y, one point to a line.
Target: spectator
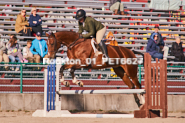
35	21
11	36
152	46
13	49
21	25
177	50
111	39
12	58
3	55
160	42
39	48
14	52
27	54
115	6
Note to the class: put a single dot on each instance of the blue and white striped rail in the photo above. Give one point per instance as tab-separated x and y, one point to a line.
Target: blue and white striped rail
111	91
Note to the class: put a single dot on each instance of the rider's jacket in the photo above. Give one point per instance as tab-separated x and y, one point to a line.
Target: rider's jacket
91	26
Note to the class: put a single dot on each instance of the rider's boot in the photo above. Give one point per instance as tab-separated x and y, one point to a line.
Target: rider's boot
103	49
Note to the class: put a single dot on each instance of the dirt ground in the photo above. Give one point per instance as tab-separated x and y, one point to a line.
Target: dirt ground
26	117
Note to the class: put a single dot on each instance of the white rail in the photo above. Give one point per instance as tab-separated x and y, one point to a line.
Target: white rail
111	91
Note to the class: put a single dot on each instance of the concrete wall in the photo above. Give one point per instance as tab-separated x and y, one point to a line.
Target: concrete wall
119	102
21	101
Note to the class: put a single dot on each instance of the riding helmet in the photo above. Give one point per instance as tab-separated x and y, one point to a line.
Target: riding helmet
80	14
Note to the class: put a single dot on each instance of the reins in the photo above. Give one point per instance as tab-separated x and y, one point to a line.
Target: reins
74	43
69	46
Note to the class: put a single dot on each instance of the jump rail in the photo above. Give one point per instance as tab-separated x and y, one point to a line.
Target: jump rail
112	91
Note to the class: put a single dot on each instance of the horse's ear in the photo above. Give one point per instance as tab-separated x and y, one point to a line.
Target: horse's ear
49	33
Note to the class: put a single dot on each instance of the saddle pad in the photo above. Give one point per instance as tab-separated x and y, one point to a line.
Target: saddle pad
93	46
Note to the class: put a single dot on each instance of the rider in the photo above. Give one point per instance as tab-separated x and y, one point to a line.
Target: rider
93	27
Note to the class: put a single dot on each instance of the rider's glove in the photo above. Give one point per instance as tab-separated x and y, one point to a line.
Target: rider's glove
80	35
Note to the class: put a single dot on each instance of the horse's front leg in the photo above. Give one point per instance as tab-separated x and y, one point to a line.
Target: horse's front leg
66	83
78	66
80	83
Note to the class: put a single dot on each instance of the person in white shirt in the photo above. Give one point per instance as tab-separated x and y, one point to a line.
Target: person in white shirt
27	54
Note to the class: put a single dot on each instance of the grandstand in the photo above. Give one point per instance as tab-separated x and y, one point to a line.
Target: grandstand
58	15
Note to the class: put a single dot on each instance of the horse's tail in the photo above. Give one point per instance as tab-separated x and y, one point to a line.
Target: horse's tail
136	52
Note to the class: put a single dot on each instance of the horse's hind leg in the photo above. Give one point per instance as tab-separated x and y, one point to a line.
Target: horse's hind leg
136	82
121	73
138	86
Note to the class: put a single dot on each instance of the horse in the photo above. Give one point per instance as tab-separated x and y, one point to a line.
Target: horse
81	48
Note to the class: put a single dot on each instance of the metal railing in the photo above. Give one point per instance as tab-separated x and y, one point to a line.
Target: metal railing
24	74
13	64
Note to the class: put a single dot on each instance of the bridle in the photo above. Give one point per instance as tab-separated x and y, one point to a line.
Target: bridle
55	43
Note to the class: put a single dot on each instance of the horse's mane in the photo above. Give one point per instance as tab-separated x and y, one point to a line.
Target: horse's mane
68	32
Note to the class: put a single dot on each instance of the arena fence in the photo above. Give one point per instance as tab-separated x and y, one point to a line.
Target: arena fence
12	81
30	78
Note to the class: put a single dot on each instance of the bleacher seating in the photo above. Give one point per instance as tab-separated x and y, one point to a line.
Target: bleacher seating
136	26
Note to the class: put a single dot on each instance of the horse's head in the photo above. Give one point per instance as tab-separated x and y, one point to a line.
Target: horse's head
55	40
52	45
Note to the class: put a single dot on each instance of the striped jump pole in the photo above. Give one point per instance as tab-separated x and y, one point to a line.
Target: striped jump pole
51	87
110	91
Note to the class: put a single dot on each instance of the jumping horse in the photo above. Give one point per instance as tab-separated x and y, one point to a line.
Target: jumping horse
80	48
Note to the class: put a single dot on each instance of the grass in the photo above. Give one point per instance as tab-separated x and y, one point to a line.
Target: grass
7	110
74	111
100	110
26	111
182	111
116	112
93	111
20	110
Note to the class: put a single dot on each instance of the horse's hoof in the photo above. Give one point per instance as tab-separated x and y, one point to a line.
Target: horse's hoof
80	83
141	107
66	83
